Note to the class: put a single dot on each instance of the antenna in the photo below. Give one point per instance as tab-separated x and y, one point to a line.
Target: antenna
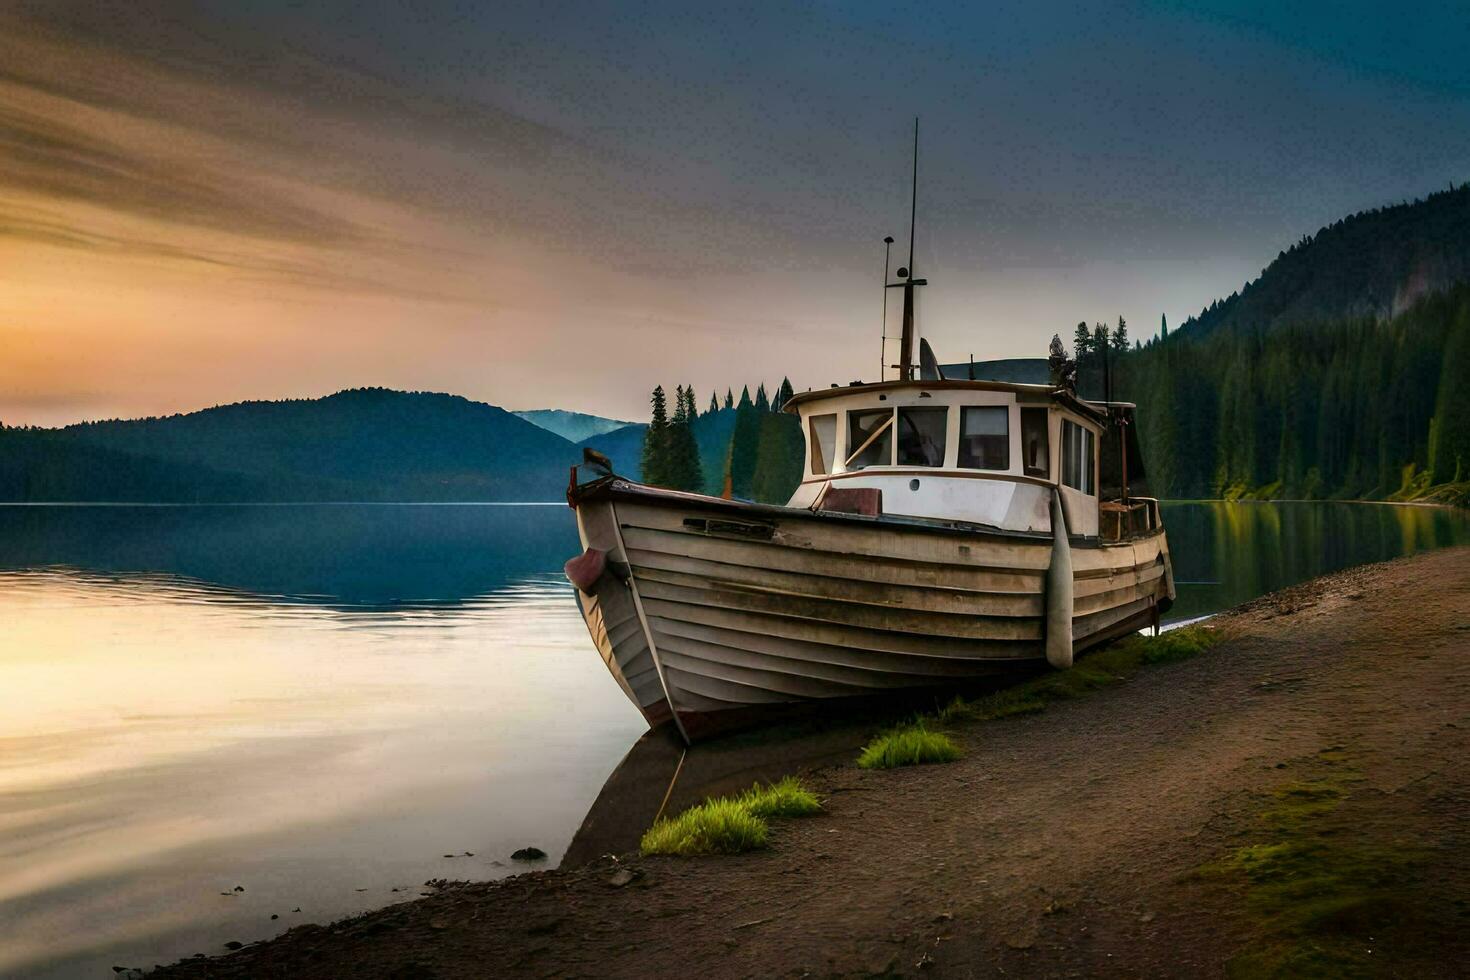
883	350
906	274
914	196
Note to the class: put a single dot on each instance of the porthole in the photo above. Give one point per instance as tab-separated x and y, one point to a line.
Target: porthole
913	484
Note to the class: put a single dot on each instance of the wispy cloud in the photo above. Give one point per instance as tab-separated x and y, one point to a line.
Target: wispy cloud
215	199
294	173
54	159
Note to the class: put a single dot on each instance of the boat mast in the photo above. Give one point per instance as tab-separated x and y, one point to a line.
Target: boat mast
905	363
883	350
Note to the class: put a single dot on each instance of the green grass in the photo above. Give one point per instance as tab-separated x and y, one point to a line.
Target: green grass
908	745
1092	671
915	743
1321	893
730	824
720	826
786	798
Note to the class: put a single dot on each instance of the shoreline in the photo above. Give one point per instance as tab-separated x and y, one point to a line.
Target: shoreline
562	503
1080	839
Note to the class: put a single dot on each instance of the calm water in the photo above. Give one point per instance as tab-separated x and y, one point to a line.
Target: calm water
317	703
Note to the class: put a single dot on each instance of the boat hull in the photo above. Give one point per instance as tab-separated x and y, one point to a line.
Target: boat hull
717	613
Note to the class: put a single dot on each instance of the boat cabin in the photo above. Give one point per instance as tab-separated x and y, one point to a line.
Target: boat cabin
979	452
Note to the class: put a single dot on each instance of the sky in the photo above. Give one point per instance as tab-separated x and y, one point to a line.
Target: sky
563	204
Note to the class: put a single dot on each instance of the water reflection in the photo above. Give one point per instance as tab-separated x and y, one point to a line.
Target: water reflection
358	555
181	714
319	703
1225	554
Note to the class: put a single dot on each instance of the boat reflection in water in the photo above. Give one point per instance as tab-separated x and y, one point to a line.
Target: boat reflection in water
662	775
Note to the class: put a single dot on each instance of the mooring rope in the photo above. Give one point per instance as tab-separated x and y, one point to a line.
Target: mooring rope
670	791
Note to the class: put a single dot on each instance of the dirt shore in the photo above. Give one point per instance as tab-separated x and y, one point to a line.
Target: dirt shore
1130	832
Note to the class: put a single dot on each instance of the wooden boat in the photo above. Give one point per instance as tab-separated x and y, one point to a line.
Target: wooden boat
944	531
875	577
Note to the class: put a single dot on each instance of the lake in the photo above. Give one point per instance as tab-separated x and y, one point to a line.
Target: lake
218	722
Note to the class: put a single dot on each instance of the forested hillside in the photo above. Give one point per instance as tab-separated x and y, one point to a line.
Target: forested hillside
1372	264
1340	372
363	444
1350	408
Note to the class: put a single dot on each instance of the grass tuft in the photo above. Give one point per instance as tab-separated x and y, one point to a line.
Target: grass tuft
786	798
730	824
720	826
1176	644
1106	667
908	745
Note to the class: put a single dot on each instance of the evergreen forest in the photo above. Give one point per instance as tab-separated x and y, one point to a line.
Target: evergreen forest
739	447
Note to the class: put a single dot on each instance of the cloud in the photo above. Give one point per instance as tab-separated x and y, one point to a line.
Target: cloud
53	159
298	174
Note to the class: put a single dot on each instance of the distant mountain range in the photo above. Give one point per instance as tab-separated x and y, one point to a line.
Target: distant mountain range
1374	263
574	426
365	444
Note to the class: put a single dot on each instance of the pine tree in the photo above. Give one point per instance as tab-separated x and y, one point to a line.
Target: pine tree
1163	326
656	442
1095	381
783	395
714	404
778	459
1120	337
729	399
762	403
690	410
744	446
682	470
1448	453
1082	344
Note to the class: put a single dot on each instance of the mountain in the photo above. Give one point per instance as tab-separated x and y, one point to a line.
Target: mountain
367	444
572	426
1371	264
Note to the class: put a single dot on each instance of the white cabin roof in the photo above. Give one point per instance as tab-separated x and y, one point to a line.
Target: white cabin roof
1097	410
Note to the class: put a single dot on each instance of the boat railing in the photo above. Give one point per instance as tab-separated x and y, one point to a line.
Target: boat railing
1119	520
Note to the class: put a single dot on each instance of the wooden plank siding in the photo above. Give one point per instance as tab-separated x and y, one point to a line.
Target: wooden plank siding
794	606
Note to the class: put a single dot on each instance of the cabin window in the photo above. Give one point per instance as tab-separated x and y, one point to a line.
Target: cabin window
1035	451
870	438
921	436
822	435
1078	446
985	437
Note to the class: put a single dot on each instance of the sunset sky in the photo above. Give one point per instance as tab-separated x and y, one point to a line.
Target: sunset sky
560	205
